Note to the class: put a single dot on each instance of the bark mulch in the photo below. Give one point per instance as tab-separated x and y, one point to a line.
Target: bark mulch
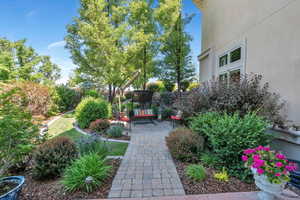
210	185
53	189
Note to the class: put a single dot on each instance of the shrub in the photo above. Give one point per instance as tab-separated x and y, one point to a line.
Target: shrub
92	93
185	85
128	95
115	132
168	98
209	159
18	135
184	145
52	157
169	86
92	144
66	98
222	176
38	97
87	173
196	172
167	113
157	86
100	125
247	95
90	109
193	85
228	135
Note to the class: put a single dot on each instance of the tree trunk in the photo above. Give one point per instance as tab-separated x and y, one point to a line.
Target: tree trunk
145	70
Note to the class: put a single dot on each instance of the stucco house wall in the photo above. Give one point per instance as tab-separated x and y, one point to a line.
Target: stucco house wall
268	33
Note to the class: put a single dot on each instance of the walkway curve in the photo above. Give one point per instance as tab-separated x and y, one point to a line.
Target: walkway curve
147	169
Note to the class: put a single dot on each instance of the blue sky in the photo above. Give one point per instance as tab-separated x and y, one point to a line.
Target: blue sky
43	24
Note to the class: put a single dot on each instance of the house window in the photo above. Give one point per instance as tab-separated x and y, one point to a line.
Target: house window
235	55
230	77
231	66
223	60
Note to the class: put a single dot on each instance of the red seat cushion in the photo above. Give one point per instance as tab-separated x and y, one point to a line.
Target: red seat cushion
144	115
124	119
175	118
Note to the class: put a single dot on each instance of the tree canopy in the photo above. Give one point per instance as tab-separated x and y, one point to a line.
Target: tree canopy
20	62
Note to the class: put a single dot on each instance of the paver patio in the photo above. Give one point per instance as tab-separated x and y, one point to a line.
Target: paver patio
147	169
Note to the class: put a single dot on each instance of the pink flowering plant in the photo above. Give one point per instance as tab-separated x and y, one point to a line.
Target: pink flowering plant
273	165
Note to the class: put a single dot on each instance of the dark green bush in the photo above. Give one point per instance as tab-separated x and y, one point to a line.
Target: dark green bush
185	85
52	157
247	95
115	132
90	109
169	86
185	145
92	144
100	125
210	159
167	113
196	172
228	135
87	173
66	98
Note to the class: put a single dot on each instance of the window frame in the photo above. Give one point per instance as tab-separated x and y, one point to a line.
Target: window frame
231	66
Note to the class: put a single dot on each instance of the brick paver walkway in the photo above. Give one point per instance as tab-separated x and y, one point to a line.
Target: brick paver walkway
147	169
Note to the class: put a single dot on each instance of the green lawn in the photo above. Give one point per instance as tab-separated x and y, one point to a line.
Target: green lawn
64	127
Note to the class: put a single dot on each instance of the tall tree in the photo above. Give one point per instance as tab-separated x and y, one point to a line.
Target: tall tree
20	62
176	62
103	43
142	20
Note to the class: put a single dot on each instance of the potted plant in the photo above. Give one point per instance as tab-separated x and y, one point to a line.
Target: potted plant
10	187
270	169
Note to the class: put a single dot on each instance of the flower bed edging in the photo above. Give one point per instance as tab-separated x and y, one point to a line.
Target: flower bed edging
102	138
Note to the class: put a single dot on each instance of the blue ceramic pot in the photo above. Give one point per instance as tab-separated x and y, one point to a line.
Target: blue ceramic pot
14	193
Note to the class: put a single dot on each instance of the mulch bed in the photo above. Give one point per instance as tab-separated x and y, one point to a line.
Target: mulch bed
211	185
53	190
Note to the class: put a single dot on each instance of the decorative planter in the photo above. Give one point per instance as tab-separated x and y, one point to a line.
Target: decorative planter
14	193
269	191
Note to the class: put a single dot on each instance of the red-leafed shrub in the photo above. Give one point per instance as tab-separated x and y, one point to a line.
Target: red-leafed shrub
100	125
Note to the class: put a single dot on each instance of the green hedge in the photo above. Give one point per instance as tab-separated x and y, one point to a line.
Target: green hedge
228	135
90	109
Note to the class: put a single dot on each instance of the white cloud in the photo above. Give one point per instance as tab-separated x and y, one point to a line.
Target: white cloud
57	44
30	13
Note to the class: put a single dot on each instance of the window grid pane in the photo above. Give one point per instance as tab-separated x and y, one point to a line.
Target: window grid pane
235	55
223	60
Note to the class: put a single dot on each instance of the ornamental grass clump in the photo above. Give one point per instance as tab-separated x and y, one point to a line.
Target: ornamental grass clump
273	165
86	173
196	172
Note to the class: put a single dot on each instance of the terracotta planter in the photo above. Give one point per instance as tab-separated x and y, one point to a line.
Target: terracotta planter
269	191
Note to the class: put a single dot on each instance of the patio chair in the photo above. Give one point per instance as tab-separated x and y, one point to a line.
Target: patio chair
143	113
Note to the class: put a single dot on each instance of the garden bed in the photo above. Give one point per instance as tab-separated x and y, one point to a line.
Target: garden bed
210	185
53	190
124	137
